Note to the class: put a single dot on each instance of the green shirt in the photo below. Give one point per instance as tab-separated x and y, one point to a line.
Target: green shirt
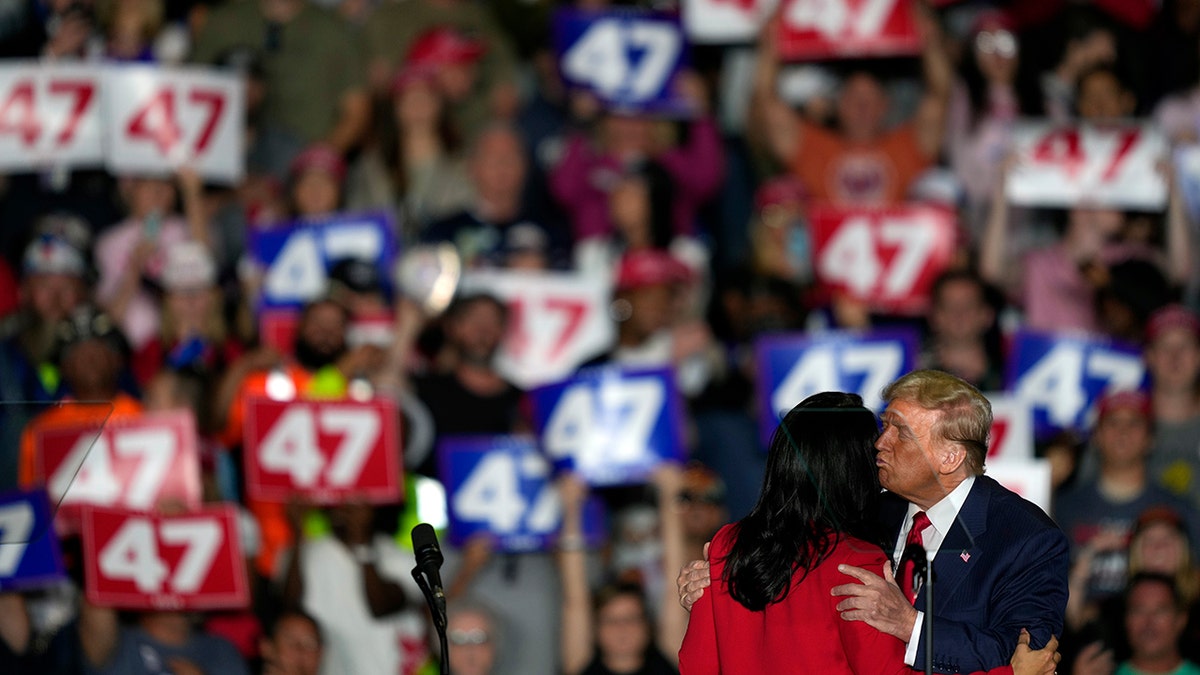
311	63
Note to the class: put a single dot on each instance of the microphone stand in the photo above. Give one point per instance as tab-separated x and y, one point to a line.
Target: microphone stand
437	610
924	571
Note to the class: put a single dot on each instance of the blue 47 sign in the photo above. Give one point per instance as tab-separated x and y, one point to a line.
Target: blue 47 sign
1061	377
501	485
296	258
29	554
627	58
792	368
610	425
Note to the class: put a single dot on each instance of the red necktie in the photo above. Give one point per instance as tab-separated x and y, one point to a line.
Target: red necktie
919	524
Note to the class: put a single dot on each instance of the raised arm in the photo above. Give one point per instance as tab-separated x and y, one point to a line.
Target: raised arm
775	126
993	263
577	629
1179	231
939	79
99	632
672	618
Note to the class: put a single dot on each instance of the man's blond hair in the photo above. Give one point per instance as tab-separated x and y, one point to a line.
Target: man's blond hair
966	415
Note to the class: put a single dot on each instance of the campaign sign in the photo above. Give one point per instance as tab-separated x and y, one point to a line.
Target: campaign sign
29	554
49	116
296	257
1011	435
627	58
1106	165
133	463
1061	377
556	321
159	119
328	451
610	425
151	561
502	486
725	21
886	257
793	367
834	29
1029	478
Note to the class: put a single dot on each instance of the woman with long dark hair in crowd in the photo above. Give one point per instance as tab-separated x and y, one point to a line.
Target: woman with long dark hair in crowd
771	609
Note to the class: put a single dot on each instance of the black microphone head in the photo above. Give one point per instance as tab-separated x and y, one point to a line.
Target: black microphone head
425	544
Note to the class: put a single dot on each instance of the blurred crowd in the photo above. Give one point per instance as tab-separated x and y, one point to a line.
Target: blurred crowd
137	291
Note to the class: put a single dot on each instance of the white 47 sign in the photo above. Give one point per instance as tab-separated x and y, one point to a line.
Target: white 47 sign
158	120
1112	165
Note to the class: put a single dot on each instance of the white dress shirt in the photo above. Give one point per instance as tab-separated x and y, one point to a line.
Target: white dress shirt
941	517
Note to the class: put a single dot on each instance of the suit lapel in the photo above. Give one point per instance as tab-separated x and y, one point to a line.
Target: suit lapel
959	552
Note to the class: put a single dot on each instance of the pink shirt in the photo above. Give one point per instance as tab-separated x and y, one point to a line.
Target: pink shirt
140	321
582	180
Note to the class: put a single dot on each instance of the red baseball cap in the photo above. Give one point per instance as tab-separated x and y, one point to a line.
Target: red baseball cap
778	191
319	157
650	267
1172	316
1124	399
444	46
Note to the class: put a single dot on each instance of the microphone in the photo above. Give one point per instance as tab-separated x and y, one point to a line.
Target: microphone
429	559
916	554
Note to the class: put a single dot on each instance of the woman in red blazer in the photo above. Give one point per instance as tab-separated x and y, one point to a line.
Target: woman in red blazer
770	609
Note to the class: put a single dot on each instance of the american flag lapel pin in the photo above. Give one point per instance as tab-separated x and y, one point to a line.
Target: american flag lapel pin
966	557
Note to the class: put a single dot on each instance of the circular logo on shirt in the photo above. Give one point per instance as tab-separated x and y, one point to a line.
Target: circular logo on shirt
861	178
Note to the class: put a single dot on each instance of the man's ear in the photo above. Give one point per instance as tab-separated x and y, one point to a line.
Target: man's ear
953	457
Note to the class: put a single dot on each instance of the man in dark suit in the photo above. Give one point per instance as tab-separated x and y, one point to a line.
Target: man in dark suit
999	563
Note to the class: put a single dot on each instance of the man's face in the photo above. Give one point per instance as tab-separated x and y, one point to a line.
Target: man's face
90	367
295	649
52	297
959	311
472	645
861	107
1102	98
1174	359
477	332
909	455
1123	437
321	338
1152	621
498	166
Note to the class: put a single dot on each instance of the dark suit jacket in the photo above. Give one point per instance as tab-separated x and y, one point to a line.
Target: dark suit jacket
1001	567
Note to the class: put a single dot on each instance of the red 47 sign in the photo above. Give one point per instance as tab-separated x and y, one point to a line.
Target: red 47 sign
887	257
159	119
1110	165
133	463
556	321
326	450
828	29
144	561
49	116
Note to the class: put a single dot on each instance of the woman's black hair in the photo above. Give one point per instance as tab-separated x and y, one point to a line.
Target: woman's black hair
820	486
660	191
